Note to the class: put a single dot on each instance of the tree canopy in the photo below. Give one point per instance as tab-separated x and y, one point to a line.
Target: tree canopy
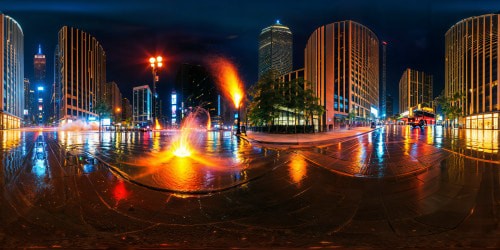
270	98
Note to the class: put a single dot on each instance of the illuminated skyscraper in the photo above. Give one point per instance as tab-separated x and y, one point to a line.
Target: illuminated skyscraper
82	67
472	70
40	87
275	50
415	87
142	113
11	73
342	66
40	66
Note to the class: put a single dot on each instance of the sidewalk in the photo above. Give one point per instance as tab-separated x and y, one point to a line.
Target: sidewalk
305	139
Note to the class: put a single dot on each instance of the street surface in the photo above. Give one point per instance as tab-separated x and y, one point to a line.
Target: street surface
391	187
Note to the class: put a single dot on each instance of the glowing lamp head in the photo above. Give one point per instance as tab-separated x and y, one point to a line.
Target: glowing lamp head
152	60
159	59
160	64
237	99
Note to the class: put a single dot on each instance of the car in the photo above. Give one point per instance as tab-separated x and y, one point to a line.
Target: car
420	124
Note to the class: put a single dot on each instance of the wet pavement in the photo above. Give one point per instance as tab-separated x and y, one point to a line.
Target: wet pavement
393	187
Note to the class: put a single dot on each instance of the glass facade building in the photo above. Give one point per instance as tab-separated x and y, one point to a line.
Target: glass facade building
415	87
342	66
11	73
275	50
82	75
141	104
472	70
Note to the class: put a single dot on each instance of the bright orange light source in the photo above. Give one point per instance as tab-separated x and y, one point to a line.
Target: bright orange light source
152	60
157	125
160	64
228	79
182	152
159	59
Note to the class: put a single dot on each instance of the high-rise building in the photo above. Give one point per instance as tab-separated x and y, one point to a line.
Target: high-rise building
342	66
11	73
415	88
275	50
142	99
472	70
82	67
40	86
389	104
40	66
27	104
57	87
383	89
113	98
194	87
126	110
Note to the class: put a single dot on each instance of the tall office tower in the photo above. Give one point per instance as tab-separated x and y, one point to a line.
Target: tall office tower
113	98
83	74
194	87
40	86
472	70
126	110
275	50
389	106
383	89
342	65
11	73
415	87
26	111
142	99
57	86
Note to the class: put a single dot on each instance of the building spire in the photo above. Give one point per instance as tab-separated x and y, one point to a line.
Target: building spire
39	49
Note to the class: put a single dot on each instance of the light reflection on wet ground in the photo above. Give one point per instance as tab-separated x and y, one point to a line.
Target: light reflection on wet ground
298	198
219	160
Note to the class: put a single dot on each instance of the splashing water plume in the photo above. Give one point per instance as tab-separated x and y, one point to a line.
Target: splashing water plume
182	145
157	124
228	79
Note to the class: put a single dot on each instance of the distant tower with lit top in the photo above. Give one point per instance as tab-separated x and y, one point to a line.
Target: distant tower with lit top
40	66
41	90
275	49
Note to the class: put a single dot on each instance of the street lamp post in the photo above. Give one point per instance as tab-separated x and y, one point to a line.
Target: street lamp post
238	130
156	63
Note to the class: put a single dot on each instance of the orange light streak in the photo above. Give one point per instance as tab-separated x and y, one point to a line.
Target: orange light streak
228	79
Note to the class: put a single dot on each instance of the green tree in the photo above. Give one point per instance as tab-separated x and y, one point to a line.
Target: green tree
265	98
451	107
102	109
351	116
270	97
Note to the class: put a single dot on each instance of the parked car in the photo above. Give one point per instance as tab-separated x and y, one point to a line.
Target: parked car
420	124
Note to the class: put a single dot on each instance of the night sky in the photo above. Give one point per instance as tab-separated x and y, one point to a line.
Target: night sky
189	31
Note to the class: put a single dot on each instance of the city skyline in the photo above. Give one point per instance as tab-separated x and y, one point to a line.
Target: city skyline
414	32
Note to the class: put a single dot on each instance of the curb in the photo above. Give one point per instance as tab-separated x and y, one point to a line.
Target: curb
307	143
